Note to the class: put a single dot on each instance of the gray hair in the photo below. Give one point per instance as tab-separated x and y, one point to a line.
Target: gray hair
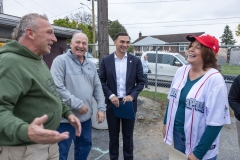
27	21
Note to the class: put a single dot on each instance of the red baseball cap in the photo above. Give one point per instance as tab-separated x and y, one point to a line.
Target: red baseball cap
206	40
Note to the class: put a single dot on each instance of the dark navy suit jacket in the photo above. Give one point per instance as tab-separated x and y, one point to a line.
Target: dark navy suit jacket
134	78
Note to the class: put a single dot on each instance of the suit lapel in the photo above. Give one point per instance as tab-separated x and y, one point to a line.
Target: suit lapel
129	66
112	62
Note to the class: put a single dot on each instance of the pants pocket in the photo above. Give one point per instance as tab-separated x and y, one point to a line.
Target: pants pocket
17	152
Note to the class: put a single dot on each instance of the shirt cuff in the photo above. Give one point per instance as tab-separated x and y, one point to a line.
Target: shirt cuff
112	95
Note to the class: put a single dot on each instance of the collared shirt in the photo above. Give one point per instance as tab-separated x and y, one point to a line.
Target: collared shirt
121	72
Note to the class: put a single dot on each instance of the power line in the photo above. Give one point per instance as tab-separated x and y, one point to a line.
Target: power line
6	3
183	21
177	25
148	2
47	10
66	12
22	5
43	7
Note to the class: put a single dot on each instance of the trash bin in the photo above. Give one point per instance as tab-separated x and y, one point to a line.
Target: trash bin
95	124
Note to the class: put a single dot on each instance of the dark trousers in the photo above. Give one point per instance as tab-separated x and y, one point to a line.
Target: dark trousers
146	80
127	134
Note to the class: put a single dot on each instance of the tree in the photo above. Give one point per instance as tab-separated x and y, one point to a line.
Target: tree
238	31
80	17
87	29
66	22
227	37
114	27
130	49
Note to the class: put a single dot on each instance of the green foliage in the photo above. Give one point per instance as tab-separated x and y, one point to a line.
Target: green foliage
227	37
130	49
114	27
87	29
238	31
66	22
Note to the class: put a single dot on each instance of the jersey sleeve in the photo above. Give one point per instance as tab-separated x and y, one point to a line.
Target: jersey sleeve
217	110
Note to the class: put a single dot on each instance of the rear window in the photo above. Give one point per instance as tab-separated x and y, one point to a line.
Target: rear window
168	59
152	58
182	58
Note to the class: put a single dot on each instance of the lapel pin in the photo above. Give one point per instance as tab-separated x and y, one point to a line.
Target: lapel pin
130	61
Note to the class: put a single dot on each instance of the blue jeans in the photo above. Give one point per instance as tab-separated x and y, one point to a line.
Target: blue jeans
179	142
82	144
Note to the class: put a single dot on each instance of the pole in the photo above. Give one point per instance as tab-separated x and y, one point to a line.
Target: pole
1	6
93	30
103	37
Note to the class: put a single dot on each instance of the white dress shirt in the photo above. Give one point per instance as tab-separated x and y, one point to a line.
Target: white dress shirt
121	73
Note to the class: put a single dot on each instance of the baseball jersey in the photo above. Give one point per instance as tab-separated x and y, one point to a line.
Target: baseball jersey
206	104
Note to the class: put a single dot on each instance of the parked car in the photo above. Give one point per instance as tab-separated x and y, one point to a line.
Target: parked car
94	60
163	65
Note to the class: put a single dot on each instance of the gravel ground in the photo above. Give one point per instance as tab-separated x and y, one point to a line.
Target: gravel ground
148	141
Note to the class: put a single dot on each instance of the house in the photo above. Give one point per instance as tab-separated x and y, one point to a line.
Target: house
168	42
9	22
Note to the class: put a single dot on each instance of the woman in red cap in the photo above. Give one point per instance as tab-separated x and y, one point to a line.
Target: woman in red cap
198	104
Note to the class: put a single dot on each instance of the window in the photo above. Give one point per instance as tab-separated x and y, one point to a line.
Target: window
168	59
152	58
182	59
182	48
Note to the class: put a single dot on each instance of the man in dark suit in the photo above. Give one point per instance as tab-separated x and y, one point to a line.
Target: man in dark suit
121	75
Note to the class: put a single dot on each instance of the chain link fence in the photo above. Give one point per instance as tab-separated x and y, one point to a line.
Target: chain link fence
164	60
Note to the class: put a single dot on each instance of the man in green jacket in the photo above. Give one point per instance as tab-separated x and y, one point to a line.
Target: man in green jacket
30	107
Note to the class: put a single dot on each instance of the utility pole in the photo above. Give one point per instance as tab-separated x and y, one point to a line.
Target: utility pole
103	39
93	30
1	6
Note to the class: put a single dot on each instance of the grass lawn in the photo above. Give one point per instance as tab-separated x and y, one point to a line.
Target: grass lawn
228	69
160	97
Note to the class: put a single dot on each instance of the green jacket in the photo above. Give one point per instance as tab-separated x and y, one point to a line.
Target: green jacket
27	91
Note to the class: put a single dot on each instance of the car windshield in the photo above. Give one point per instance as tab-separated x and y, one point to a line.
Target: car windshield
182	59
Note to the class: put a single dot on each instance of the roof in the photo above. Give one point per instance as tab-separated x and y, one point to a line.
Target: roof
149	40
170	38
12	21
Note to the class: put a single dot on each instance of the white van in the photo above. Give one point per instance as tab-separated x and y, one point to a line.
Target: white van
163	65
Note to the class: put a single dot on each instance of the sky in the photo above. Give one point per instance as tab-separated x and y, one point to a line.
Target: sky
150	17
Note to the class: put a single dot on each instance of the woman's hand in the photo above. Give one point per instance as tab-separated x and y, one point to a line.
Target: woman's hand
192	157
164	130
